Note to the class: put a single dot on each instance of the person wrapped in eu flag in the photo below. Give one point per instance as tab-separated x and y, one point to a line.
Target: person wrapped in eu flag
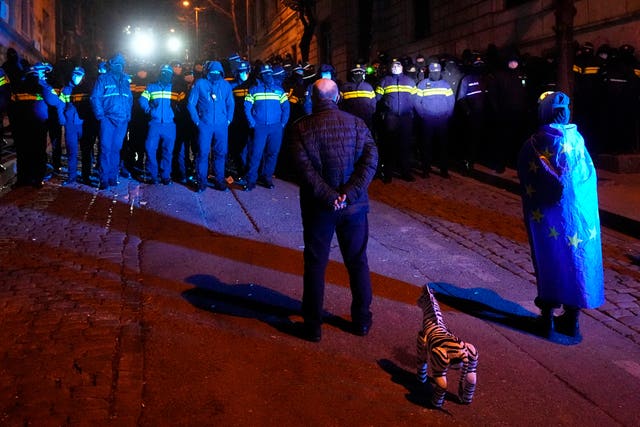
560	203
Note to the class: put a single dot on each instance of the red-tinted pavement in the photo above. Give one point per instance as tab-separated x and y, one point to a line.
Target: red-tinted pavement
159	306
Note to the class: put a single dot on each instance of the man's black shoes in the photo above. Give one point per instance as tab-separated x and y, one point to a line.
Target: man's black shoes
311	333
362	329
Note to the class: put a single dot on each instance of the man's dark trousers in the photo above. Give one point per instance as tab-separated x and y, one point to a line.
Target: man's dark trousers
352	230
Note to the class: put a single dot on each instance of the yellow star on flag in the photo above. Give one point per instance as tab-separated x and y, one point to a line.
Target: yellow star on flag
546	153
553	233
529	189
574	240
537	215
533	166
593	233
567	148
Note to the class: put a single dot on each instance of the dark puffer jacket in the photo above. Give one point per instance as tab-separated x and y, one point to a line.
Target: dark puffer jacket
334	154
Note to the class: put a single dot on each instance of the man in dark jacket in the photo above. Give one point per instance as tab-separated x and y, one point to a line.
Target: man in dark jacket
211	107
111	100
336	160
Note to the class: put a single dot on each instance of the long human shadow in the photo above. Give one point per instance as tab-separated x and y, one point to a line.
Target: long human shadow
486	304
250	300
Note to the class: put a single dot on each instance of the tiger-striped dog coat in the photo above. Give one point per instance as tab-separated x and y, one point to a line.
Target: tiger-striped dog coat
442	349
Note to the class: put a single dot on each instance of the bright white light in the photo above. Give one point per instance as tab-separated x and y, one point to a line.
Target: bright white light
143	43
174	44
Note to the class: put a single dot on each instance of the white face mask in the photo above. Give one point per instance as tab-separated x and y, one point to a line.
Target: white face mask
396	69
243	76
76	79
326	75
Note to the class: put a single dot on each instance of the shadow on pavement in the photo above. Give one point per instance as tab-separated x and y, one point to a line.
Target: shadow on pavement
250	300
488	305
247	300
418	393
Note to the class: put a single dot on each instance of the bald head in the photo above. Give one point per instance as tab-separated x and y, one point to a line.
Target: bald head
325	90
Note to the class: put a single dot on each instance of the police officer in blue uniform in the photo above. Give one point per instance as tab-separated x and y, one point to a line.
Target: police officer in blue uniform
357	96
32	98
111	100
239	129
157	101
473	102
73	123
396	95
325	71
434	107
266	107
211	107
184	144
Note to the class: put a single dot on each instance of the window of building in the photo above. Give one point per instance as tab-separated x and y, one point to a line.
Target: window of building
421	18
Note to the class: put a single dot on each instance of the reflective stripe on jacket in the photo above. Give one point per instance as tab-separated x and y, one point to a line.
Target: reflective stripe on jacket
397	94
266	105
158	100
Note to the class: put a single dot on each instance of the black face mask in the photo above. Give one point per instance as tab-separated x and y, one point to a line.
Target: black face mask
435	75
357	77
267	79
117	68
213	76
165	77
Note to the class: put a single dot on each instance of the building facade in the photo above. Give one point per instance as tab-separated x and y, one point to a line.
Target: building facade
29	26
351	30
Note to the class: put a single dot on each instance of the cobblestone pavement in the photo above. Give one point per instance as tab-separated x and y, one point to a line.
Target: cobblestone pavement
82	272
488	221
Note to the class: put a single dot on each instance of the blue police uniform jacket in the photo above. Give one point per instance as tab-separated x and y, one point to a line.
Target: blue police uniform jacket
70	100
435	99
35	97
358	99
5	91
211	103
266	105
472	93
240	90
158	100
111	97
396	95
